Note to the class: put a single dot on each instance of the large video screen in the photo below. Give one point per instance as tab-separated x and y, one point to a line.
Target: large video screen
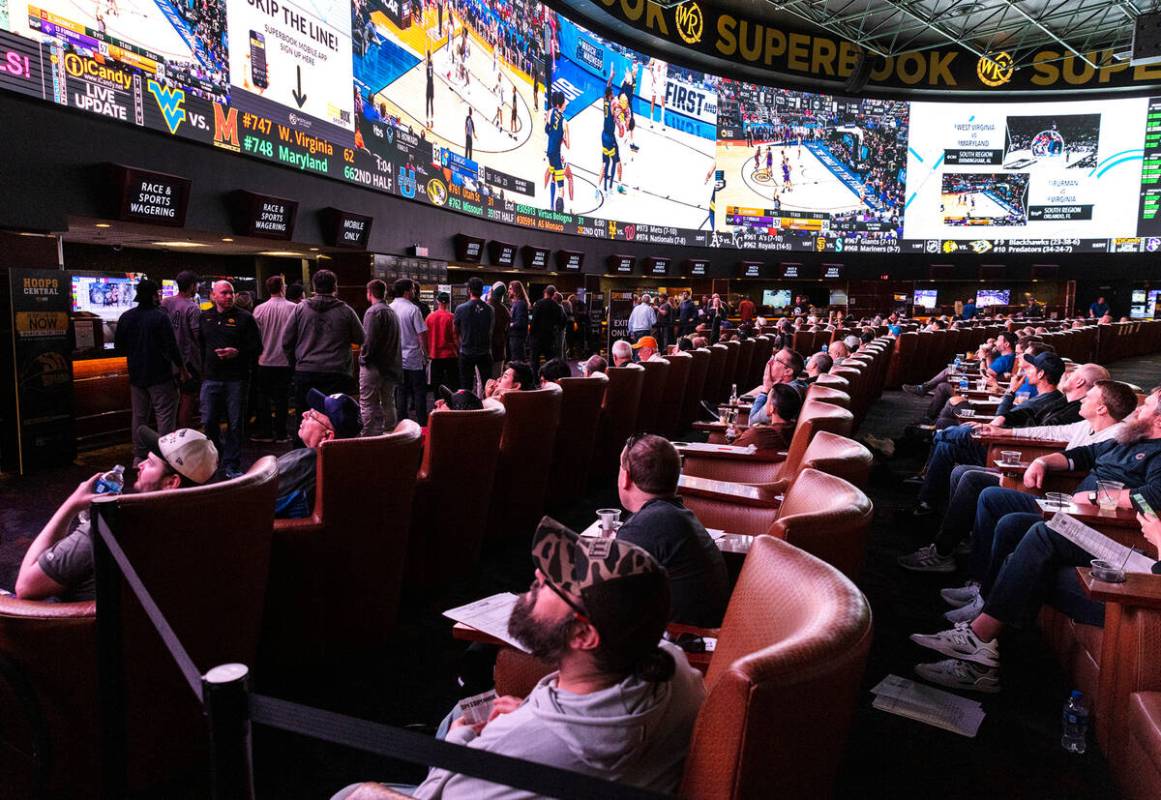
925	298
104	296
993	297
508	111
776	298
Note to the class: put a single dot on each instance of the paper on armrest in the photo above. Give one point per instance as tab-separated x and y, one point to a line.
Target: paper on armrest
489	615
1098	545
714	533
706	447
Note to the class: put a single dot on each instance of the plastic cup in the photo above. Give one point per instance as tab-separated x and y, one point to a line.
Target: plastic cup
610	520
1106	571
1108	492
1010	456
724	414
1058	499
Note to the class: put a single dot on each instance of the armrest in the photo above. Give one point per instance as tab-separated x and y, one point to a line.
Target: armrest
765	456
1143	591
724	491
677	628
1016	441
301	526
11	606
376	791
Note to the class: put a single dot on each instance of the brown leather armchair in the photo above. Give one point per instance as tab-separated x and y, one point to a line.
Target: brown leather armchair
715	373
833	382
652	392
695	387
733	351
350	553
525	459
763	347
825	394
745	361
576	436
669	413
828	518
618	417
453	493
204	554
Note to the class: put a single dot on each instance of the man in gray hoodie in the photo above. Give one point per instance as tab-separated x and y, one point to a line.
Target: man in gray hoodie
318	342
621	706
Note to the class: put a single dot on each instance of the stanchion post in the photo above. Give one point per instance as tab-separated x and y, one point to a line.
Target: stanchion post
226	693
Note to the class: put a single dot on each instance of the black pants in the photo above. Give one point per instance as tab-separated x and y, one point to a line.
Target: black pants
469	365
544	347
444	371
273	394
517	347
325	382
468	148
412	392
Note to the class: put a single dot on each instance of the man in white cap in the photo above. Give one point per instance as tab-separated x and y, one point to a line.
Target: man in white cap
60	563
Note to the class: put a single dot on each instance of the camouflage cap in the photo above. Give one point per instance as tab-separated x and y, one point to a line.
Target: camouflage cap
619	586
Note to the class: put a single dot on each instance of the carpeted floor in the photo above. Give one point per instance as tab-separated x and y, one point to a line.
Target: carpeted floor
1016	754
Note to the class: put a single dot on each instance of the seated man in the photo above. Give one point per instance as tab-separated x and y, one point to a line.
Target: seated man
783	367
517	376
327	417
955	445
553	370
782	406
60	563
1101	411
839	352
646	348
595	365
620	706
1003	364
622	353
668	531
1026	579
817	364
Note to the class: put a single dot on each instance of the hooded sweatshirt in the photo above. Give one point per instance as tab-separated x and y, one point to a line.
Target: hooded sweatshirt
634	732
320	335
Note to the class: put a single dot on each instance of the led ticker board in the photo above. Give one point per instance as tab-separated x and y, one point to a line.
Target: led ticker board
469	249
750	269
569	261
620	265
535	257
657	266
501	254
335	89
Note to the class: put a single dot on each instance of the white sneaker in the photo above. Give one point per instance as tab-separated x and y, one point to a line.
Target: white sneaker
927	559
960	642
956	674
967	612
961	595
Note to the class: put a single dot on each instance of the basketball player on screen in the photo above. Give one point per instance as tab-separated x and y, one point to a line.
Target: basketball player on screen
558	172
610	149
429	67
627	89
658	69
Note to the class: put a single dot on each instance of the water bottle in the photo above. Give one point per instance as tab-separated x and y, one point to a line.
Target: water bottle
733	394
963	384
112	482
1074	719
958	362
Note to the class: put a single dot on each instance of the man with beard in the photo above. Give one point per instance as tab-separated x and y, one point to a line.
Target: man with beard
1025	554
60	563
621	705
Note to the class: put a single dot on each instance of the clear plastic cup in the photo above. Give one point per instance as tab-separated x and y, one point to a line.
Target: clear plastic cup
724	414
1057	499
610	520
1108	492
1010	456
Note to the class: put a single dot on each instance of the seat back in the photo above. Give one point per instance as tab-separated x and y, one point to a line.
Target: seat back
833	382
713	376
783	682
694	387
673	399
745	360
460	454
204	555
349	554
815	416
522	470
839	456
827	517
733	350
825	394
652	390
576	435
763	347
903	357
618	416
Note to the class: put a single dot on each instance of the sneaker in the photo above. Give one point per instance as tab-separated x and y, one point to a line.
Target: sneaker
961	642
965	613
915	480
915	388
956	674
621	189
922	509
927	559
960	595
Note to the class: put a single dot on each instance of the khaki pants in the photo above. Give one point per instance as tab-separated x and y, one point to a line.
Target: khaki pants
376	402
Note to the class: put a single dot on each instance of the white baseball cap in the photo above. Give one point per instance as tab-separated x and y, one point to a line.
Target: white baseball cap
187	451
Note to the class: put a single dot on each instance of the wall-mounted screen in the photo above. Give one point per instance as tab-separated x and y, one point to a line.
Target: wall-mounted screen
992	297
534	120
776	298
106	297
1138	296
926	298
838	297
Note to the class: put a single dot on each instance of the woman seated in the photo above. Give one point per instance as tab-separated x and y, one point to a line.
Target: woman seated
783	403
517	376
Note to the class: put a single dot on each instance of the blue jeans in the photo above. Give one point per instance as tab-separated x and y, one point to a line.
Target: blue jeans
952	446
1039	569
1003	516
967	484
759	404
224	398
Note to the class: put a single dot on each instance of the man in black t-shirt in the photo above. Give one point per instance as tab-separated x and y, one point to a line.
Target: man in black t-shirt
473	323
661	525
547	323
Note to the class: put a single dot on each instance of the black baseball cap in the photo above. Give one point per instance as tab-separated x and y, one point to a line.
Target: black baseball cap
1050	364
340	409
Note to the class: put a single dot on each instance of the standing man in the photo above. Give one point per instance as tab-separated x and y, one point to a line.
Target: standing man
469	134
413	343
318	342
380	363
145	335
747	309
686	315
185	314
473	324
1099	308
642	319
442	344
274	370
547	321
230	344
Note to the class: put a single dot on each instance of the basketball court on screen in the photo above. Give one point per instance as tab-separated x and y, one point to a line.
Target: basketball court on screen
143	23
974	205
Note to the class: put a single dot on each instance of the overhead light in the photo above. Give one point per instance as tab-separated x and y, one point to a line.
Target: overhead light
314	249
227	239
102	225
180	243
280	254
37	235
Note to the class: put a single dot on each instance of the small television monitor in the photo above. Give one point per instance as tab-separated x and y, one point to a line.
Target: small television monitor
993	297
925	298
838	297
1139	311
1151	303
168	288
776	298
1139	297
106	296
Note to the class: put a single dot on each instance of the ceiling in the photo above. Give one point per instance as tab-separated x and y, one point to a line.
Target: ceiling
127	234
1075	28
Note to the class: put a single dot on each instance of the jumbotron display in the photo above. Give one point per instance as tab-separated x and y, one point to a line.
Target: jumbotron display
508	111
